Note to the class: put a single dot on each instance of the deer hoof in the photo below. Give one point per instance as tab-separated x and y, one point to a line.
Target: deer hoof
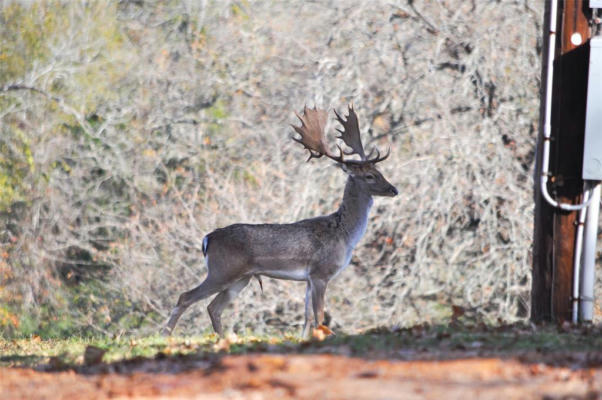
321	332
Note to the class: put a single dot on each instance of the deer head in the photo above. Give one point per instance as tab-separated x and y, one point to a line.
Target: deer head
363	171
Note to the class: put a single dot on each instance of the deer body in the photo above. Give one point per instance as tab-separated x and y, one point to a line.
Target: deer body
312	250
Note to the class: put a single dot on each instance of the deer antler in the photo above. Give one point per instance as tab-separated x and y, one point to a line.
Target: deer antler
313	139
351	136
351	133
312	133
378	158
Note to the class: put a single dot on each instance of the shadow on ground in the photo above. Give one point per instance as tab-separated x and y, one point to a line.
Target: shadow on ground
565	346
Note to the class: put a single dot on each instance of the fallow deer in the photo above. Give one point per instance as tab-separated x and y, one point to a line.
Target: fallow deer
312	250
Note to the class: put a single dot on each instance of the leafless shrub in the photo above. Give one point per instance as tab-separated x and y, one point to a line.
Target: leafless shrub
154	123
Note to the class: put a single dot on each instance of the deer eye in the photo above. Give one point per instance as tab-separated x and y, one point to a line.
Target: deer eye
370	177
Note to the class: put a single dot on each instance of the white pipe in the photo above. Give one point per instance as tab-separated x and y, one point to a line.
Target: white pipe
588	269
577	259
547	123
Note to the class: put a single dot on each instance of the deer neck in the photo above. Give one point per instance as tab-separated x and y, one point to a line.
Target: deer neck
353	211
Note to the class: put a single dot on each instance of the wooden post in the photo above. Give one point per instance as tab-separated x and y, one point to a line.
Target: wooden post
554	229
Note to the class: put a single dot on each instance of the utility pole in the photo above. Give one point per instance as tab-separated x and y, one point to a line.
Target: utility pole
555	229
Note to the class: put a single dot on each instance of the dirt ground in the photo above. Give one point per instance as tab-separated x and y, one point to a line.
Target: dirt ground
452	361
273	376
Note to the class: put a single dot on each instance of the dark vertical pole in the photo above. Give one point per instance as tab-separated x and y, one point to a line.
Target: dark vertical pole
554	229
541	275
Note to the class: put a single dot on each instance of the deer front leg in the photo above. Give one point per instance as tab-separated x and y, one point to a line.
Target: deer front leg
318	289
219	303
307	322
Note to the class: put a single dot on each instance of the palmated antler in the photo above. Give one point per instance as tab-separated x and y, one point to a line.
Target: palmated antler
351	136
313	139
350	133
311	130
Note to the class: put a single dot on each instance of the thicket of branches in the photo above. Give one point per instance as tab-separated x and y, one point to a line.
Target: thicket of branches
131	130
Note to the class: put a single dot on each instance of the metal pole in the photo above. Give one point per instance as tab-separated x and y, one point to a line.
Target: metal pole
588	267
578	262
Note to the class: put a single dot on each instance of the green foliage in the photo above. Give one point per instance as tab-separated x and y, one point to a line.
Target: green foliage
238	10
217	114
43	321
30	33
16	163
27	31
83	310
48	324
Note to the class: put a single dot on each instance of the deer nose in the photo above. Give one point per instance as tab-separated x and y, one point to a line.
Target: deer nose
393	190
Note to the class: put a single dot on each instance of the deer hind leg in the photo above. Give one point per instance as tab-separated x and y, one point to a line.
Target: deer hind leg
219	303
186	299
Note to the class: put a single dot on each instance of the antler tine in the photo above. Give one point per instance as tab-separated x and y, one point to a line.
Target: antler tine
312	154
312	133
378	158
351	133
